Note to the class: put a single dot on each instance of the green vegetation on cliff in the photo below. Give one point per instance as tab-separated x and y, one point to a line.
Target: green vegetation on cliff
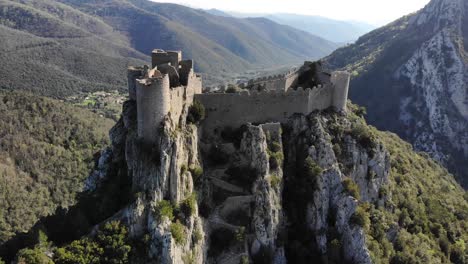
425	216
47	149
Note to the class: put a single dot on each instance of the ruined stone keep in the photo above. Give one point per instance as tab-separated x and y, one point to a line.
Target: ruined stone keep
162	90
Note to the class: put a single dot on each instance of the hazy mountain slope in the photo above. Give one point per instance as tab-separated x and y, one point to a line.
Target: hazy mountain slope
228	37
55	50
217	12
47	150
412	75
334	30
70	46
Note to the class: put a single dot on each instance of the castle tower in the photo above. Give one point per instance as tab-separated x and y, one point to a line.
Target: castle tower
340	81
159	57
133	73
153	104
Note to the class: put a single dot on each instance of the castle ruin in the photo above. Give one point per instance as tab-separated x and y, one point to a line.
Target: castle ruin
162	91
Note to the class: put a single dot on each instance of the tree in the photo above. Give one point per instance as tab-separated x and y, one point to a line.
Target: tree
112	238
83	251
196	112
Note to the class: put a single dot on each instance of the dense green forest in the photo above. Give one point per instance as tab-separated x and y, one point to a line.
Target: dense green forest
47	149
426	212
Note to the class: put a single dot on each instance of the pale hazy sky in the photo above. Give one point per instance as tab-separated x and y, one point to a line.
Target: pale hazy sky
377	12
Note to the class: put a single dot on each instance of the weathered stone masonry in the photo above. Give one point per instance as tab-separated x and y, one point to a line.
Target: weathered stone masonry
272	105
163	91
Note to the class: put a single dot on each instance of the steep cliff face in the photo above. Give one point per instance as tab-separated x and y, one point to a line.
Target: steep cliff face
415	73
323	158
321	188
268	193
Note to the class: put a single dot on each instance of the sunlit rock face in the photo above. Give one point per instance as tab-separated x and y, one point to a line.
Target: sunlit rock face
412	75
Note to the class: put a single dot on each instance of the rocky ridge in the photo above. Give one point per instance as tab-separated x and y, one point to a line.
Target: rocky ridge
414	71
255	192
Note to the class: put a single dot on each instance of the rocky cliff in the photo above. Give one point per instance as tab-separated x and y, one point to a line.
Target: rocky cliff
323	188
412	76
268	193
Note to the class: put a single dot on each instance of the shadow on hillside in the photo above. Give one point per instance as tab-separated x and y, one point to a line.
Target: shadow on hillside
66	225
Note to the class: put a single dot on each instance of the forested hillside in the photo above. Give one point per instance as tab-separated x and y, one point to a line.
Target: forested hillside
47	149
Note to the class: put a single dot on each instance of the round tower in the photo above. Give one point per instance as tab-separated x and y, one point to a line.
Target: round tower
340	81
153	104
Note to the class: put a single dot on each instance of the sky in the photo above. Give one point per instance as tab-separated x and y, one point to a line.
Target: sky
375	12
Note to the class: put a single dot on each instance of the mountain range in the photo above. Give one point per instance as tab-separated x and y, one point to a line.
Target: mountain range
67	46
338	31
412	75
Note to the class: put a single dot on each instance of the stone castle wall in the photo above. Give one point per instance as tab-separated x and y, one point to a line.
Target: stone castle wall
169	88
236	109
280	82
182	96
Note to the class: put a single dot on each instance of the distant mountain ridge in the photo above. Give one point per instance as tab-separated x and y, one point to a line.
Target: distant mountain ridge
66	46
412	75
334	30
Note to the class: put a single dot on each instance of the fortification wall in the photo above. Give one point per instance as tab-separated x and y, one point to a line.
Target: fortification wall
153	104
182	96
280	82
252	107
320	97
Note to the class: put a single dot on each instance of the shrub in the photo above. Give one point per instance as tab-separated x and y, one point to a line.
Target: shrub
275	155
240	234
196	112
33	256
197	235
311	168
178	232
275	181
360	111
351	188
165	209
275	146
360	217
363	135
337	149
383	192
232	88
244	260
188	206
196	172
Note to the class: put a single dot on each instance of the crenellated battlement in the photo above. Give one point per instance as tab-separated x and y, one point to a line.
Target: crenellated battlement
168	88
